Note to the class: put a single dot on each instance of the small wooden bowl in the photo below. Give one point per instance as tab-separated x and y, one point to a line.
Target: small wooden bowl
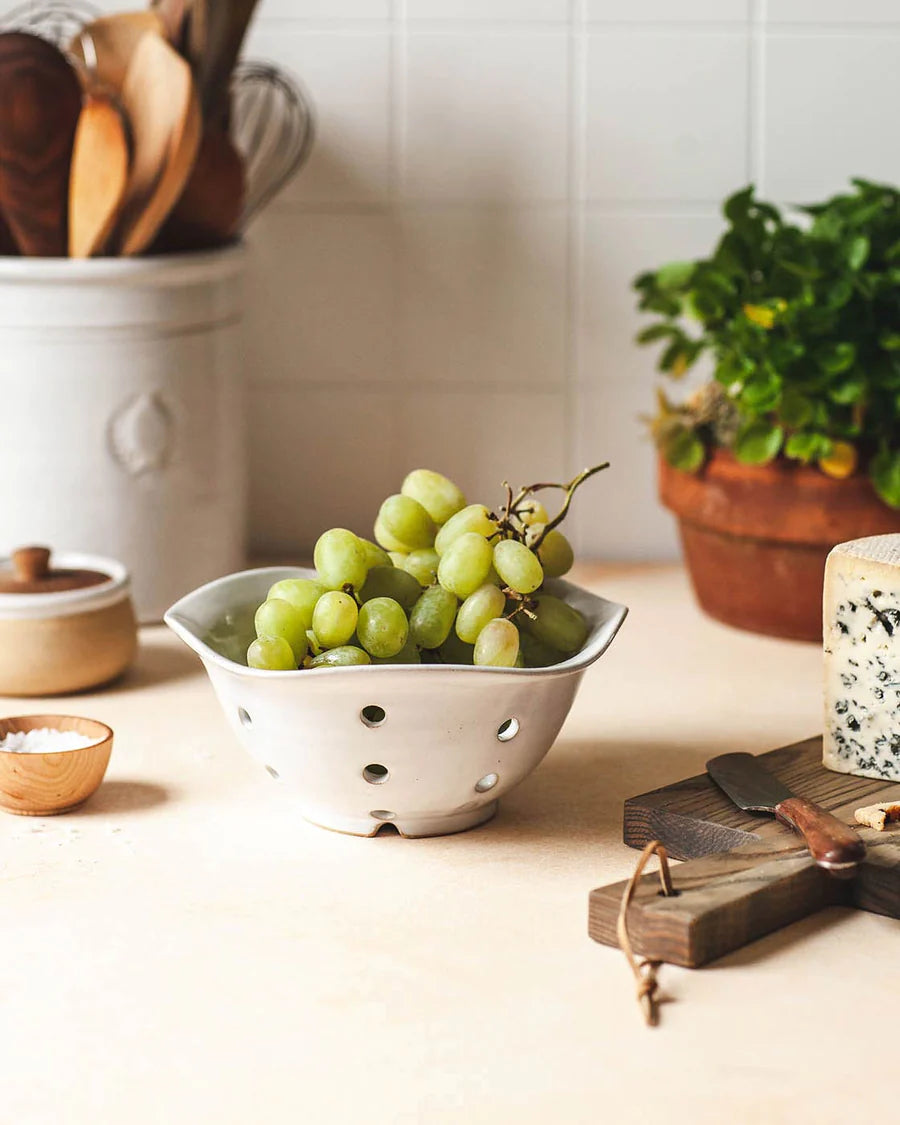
47	784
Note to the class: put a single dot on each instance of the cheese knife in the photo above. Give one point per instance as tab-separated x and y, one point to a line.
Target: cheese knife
833	845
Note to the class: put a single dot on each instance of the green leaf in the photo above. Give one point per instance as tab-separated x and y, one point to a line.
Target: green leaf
807	447
677	357
848	392
655	332
796	410
737	206
836	358
758	442
675	275
684	450
857	251
890	341
885	474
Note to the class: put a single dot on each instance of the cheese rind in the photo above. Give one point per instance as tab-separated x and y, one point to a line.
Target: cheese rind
862	658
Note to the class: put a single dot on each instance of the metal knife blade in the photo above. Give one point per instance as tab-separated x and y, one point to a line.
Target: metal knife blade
749	785
834	845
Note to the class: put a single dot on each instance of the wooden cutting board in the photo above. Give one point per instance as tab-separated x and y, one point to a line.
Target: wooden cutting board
746	875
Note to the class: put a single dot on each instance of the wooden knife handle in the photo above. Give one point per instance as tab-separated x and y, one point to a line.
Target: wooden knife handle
832	844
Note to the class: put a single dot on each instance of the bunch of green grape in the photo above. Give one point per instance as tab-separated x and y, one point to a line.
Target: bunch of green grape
443	582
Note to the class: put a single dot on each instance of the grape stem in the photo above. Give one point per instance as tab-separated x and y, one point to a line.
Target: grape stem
569	488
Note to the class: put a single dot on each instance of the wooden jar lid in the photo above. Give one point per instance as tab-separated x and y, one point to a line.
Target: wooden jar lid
31	573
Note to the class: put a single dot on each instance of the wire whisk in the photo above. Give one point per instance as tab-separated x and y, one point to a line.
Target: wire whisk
58	21
273	128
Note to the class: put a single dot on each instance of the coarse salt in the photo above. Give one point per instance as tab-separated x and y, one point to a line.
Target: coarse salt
44	740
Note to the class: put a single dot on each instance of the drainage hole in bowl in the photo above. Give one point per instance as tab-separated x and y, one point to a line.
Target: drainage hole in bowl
373	715
382	814
244	717
508	730
487	782
376	774
273	773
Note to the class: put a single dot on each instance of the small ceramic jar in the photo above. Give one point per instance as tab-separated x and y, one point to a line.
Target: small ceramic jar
65	627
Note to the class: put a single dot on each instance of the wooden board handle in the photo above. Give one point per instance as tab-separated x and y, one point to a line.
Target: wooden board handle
832	844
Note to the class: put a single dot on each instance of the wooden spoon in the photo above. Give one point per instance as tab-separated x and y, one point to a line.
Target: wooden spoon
107	45
100	161
8	247
40	102
209	211
215	36
160	101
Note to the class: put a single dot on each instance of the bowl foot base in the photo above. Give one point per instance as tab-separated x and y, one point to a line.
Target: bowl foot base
411	827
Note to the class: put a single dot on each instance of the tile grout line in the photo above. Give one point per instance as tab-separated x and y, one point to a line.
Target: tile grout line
756	95
575	242
397	111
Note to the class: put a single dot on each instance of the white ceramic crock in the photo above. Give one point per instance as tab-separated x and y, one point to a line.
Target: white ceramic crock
428	748
122	393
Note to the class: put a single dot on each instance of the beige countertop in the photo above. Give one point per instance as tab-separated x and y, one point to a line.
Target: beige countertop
184	949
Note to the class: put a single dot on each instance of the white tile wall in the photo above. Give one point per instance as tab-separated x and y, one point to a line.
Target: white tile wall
448	281
448	284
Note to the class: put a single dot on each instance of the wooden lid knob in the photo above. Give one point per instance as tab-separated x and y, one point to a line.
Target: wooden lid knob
31	564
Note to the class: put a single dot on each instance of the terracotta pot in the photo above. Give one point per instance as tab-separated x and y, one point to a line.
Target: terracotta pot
756	538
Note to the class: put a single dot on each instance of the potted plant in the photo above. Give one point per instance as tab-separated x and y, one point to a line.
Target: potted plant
793	444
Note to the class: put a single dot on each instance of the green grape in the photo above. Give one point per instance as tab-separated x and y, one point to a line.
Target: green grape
473	518
556	554
493	577
432	617
342	657
465	564
390	543
340	559
520	660
382	627
519	567
278	618
314	647
455	651
302	593
273	654
532	511
409	654
497	645
477	610
398	558
536	653
422	565
407	522
391	582
557	624
374	555
439	496
334	619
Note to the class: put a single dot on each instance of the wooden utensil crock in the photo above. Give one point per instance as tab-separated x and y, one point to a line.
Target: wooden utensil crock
47	784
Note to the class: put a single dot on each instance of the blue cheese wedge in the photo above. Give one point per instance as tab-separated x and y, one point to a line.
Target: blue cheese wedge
862	658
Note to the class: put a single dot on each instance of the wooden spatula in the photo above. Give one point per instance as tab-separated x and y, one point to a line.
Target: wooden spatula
215	36
159	98
8	247
173	14
99	176
107	45
209	211
40	102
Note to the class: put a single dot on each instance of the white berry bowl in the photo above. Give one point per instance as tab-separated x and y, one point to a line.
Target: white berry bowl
427	748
